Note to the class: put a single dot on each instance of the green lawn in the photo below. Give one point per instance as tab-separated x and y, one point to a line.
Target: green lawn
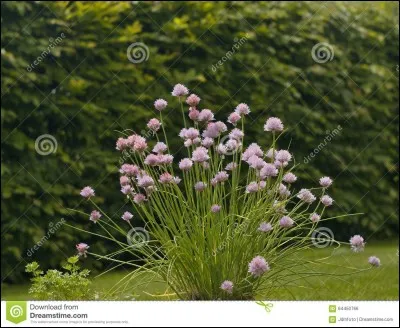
376	284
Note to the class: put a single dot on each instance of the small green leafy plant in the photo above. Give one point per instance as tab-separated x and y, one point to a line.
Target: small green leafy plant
73	284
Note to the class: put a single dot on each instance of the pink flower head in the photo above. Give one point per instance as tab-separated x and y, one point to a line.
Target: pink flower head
283	190
215	208
233	145
154	124
124	180
165	159
87	192
326	200
273	124
207	142
315	218
121	144
185	164
200	186
286	222
262	184
193	100
200	154
126	190
129	169
233	118
283	156
231	166
205	115
236	134
306	196
325	182
252	187
82	249
227	286
139	198
194	114
271	153
374	261
221	149
268	170
256	162
179	90
214	130
145	181
242	109
160	148
152	160
357	243
289	177
191	133
165	178
258	266
160	104
127	216
221	176
253	149
95	216
139	144
265	227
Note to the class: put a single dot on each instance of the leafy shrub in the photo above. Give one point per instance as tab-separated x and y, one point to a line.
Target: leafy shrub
55	285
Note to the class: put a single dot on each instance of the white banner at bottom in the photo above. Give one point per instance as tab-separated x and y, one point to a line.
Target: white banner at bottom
200	314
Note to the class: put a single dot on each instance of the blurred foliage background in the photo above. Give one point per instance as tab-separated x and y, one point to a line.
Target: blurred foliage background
86	90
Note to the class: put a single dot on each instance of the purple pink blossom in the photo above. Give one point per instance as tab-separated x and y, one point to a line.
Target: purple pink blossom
139	198
258	266
154	124
306	196
205	115
127	216
286	222
215	208
193	100
200	186
273	124
82	249
87	192
160	148
289	177
200	154
326	200
227	286
185	164
315	217
374	261
357	243
160	104
233	118
325	182
95	216
265	227
242	109
179	90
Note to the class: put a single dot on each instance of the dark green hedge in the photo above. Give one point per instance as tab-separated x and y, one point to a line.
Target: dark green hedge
86	90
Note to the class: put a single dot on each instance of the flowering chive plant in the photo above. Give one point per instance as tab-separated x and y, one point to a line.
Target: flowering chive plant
225	221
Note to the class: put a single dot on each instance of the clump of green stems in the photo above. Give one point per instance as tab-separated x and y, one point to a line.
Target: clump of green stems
194	250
